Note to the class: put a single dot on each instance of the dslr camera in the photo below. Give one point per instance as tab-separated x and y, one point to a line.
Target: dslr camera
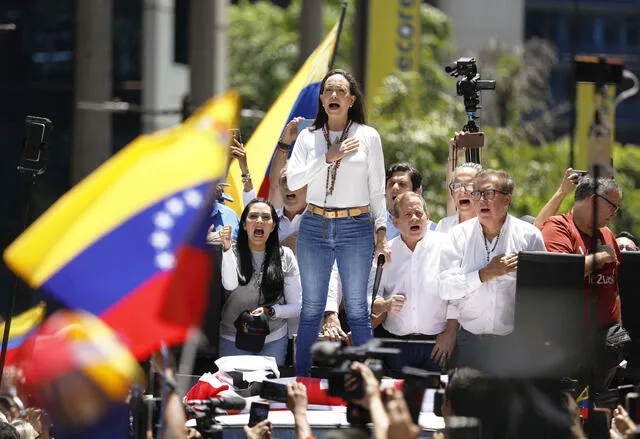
343	382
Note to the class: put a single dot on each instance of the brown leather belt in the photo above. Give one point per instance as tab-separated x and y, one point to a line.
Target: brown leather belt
337	213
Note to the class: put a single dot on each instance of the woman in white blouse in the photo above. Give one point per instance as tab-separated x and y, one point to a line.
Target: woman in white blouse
340	160
262	277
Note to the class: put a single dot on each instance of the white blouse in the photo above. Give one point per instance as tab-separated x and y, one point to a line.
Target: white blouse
360	180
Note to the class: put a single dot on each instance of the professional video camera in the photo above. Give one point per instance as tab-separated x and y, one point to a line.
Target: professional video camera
343	382
204	412
469	87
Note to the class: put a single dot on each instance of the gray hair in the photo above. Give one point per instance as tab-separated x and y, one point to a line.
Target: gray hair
400	198
466	165
586	187
506	181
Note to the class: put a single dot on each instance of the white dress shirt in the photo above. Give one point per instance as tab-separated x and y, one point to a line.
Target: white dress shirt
416	275
360	180
287	227
484	307
447	223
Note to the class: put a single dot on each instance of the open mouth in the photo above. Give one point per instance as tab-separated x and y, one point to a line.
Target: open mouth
258	233
484	210
290	197
334	106
414	228
464	202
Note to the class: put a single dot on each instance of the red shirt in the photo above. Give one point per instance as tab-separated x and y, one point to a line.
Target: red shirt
561	235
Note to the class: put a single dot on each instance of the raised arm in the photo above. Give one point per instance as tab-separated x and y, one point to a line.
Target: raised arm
280	160
569	182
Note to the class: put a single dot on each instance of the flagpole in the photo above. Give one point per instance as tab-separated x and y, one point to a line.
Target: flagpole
343	13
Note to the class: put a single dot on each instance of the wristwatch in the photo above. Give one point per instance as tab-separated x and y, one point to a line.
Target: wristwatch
270	311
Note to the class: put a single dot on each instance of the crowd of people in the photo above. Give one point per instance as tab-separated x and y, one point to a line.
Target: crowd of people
297	260
341	235
312	247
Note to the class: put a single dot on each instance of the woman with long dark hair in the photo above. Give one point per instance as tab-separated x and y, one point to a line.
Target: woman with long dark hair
264	287
340	160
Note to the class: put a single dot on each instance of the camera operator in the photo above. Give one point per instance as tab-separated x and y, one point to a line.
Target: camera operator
409	291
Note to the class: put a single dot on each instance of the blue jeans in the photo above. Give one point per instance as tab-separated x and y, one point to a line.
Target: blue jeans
321	241
276	349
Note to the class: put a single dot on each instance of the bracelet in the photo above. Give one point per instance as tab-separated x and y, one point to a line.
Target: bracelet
283	146
245	177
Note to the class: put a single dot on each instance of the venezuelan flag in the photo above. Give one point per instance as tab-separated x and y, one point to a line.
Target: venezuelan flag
300	98
110	246
583	403
22	327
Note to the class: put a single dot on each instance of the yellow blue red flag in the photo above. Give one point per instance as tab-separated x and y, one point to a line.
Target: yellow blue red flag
299	99
22	326
111	245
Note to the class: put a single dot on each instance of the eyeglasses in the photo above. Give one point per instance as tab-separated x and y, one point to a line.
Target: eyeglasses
466	186
628	248
339	91
616	207
488	194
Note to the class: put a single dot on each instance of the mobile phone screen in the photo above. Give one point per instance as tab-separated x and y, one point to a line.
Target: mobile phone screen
273	391
304	123
259	412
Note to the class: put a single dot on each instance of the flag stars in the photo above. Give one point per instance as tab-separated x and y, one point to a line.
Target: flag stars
175	206
193	198
165	260
160	239
163	220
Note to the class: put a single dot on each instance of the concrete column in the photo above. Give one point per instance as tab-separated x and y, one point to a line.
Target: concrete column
311	28
164	82
208	24
92	83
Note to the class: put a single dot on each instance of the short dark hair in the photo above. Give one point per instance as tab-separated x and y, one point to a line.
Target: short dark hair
465	390
508	184
587	185
414	174
8	431
356	112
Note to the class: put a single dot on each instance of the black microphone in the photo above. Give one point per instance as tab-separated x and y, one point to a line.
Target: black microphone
223	403
381	260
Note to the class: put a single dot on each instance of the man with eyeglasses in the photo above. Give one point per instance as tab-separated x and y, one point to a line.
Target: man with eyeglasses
460	188
572	233
477	270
